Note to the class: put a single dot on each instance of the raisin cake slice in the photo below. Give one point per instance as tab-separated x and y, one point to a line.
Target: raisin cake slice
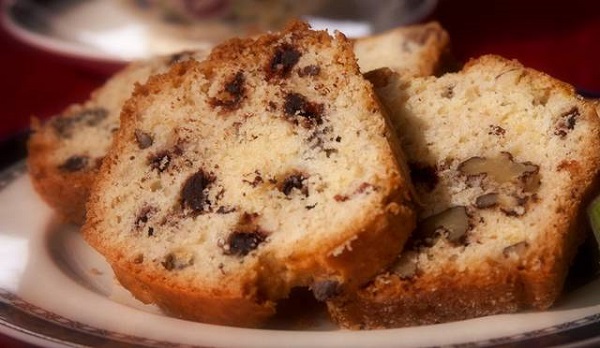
417	50
501	157
65	153
266	167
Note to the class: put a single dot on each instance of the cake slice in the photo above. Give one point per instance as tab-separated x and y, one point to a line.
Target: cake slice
501	157
416	50
65	153
266	167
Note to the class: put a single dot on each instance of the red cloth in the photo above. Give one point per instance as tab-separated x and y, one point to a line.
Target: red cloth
558	37
561	38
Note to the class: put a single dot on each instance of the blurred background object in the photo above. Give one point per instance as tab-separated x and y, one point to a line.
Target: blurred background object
118	31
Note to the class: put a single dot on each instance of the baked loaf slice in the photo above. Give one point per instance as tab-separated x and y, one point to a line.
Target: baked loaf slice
501	157
266	167
417	50
65	153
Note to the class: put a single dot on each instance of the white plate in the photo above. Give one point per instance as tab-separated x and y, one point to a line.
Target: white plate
94	30
55	291
107	31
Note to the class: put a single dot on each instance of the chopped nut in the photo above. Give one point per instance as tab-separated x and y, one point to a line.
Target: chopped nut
453	223
502	169
406	266
517	249
513	205
487	200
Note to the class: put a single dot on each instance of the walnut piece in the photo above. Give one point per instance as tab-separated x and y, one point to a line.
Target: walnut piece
502	169
514	184
453	223
518	249
406	266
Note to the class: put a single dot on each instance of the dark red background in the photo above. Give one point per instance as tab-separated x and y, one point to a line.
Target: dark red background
561	38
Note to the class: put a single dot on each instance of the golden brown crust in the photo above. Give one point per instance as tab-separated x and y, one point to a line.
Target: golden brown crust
193	304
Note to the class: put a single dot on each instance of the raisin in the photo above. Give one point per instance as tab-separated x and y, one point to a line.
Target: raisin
74	163
233	93
423	175
284	59
241	243
194	194
300	111
294	181
325	289
143	139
